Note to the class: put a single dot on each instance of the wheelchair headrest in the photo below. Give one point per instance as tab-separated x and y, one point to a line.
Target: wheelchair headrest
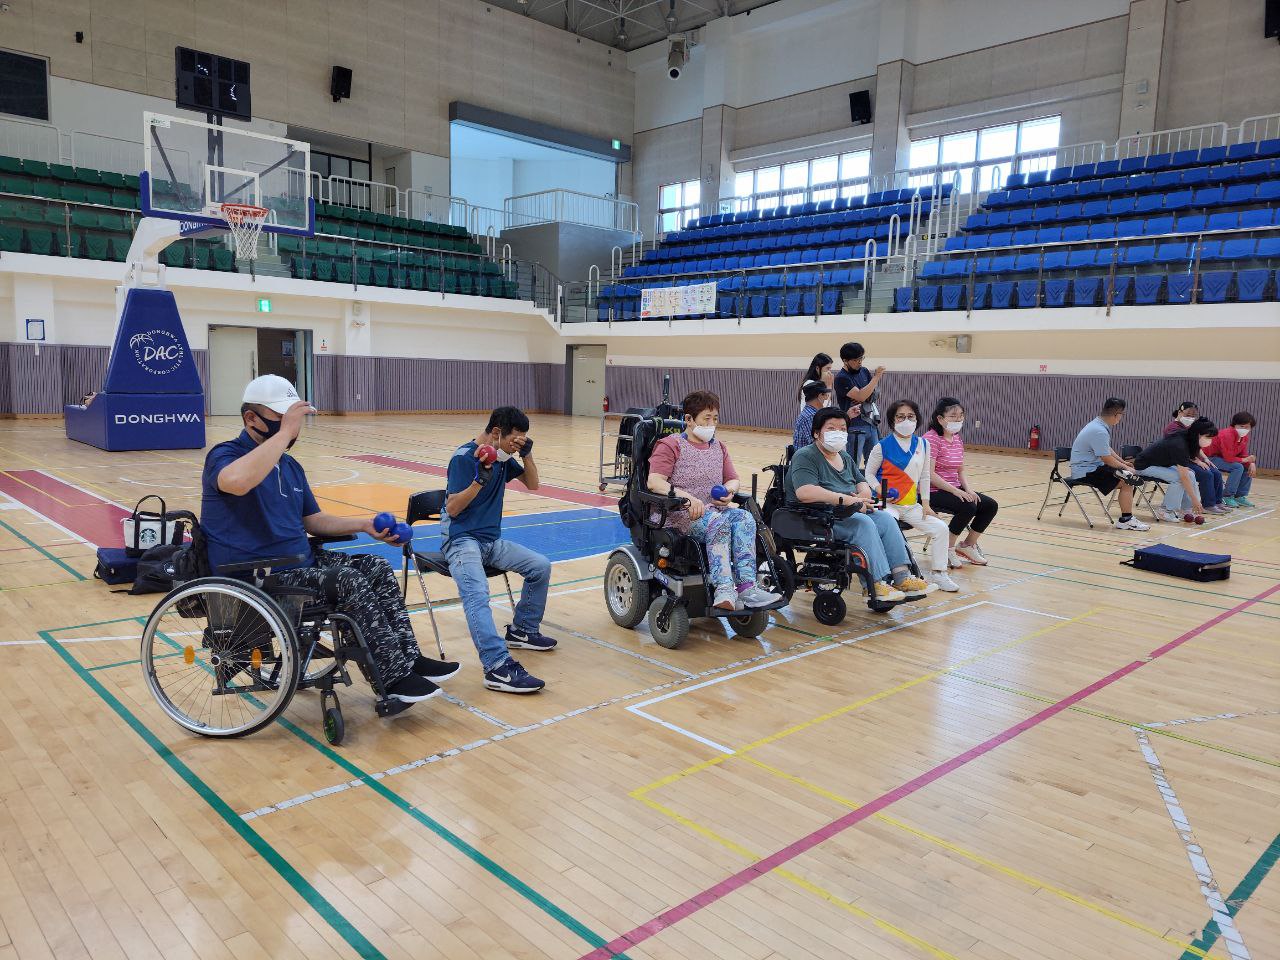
424	505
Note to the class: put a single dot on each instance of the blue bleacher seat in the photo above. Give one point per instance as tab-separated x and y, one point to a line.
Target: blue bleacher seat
1105	168
1001	238
1102	231
1157	161
1005	264
1058	174
1130	228
1241	249
792	303
1173	253
1068	211
1055	260
1138	254
902	299
1251	285
1075	233
1257	169
1207	197
1210	249
982	265
1022	215
1224	174
755	306
1140	182
1192	223
830	301
1085	291
1269	148
981	296
1268	248
1255	219
1049	235
1002	295
1040	193
1222	221
1178	287
1241	151
1214	286
1121	289
1055	292
1196	177
1115	185
1149	203
956	267
1015	180
1089	188
727	306
952	297
1146	288
1120	206
1166	179
1028	293
1240	193
773	306
1132	164
1039	176
1024	238
1082	171
1184	158
1211	155
954	243
1268	191
1178	200
773	281
1026	263
1063	191
996	198
1077	259
1045	214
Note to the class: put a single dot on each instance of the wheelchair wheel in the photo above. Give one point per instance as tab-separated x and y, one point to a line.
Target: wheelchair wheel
625	594
783	583
668	630
750	625
335	728
829	608
220	657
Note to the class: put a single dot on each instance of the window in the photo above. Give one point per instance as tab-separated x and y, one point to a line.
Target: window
678	205
24	86
970	149
803	181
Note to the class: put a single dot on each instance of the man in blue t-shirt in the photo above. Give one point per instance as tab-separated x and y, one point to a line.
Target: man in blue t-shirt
472	531
855	390
257	505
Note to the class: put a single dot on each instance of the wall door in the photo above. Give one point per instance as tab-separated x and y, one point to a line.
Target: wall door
588	379
233	362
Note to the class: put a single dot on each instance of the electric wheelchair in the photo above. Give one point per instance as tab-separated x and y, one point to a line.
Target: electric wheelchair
812	555
225	651
662	573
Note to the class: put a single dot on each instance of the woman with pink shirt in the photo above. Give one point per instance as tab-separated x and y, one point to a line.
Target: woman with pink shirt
949	490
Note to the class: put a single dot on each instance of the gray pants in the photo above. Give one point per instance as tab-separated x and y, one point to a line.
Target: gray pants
369	594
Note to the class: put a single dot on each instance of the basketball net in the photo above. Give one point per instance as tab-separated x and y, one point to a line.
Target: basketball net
245	223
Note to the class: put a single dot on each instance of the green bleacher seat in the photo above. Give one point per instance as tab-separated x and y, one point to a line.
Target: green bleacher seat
114	221
87	176
175	255
348	230
382	235
36	168
83	218
381	276
115	180
364	232
124	198
324	270
74	193
56	214
202	257
131	181
288	244
99	195
512	288
364	274
464	283
29	212
433	280
43	242
62	171
415	279
364	216
302	268
10	239
325	248
95	246
9	183
492	266
342	271
120	243
223	259
450	282
47	188
10	165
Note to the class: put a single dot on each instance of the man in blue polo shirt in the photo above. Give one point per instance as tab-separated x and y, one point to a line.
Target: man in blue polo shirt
472	532
257	505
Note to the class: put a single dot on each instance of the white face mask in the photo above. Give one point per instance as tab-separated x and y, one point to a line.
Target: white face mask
1186	421
904	428
705	434
952	426
835	440
503	455
1205	441
1242	431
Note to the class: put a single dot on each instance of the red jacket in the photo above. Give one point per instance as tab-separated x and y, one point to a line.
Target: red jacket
1229	446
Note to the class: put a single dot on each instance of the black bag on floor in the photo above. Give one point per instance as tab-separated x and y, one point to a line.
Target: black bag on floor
115	566
1161	558
156	569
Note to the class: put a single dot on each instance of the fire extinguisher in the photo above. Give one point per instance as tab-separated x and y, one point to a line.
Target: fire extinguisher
1033	441
606	403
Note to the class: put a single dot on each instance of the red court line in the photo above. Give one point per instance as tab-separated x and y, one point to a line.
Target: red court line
86	515
553	493
761	867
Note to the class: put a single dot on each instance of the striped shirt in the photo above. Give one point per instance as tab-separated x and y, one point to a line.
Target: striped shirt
802	432
948	457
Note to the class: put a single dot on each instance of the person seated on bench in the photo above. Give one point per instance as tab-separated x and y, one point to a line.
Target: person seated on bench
816	396
824	472
902	462
689	465
1229	452
1208	477
257	505
472	532
1169	460
1094	463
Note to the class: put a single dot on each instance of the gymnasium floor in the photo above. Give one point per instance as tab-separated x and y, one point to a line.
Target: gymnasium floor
1067	759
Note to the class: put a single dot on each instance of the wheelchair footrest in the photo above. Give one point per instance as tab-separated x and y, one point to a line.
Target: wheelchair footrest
390	706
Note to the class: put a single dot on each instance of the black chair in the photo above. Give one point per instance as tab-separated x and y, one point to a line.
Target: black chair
1149	487
428	506
1061	456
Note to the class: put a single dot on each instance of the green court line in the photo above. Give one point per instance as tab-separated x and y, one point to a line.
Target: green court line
331	915
1238	897
31	543
129	663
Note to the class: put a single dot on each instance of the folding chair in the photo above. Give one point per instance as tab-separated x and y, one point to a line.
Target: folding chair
1143	494
1062	455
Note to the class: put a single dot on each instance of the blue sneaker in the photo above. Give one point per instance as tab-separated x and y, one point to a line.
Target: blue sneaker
510	677
525	640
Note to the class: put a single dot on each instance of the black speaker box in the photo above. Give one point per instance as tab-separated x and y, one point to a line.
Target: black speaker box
1271	19
340	83
860	106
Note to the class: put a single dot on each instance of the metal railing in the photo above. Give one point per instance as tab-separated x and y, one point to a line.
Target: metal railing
364	194
119	155
434	207
1195	137
570	206
1264	127
31	140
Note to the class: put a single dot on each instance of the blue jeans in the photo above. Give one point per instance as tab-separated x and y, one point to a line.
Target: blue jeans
1239	483
1175	498
877	535
862	437
1209	481
467	558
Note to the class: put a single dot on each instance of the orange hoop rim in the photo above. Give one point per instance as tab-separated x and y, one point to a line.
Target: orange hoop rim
239	212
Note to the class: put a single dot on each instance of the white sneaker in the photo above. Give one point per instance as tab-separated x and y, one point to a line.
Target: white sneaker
755	598
970	552
944	582
954	560
1168	516
1133	523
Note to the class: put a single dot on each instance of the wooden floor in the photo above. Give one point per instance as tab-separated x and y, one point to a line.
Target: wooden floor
1067	759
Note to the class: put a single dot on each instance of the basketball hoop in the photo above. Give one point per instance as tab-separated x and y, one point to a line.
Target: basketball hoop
245	223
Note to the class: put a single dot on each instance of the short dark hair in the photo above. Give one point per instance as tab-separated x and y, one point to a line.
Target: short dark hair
508	420
1203	427
814	388
852	351
698	401
892	413
1243	418
940	411
825	416
1185	405
1113	405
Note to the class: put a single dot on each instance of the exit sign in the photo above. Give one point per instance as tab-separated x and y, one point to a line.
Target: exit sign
264	305
617	144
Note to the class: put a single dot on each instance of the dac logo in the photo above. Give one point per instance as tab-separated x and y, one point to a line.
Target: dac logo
157	351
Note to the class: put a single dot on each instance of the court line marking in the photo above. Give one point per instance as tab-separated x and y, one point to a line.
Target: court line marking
634	654
1239	896
1231	523
1216	716
723	888
1195	852
47	555
287	872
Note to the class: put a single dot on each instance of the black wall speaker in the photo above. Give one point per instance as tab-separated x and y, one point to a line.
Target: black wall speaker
340	83
1271	20
860	105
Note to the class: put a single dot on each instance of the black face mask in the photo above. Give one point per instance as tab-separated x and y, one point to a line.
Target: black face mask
273	427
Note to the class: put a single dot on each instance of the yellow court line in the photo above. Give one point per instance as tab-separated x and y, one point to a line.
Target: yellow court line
639	792
984	861
801	882
46	493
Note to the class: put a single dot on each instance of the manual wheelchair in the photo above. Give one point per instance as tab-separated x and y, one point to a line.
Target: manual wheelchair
662	573
224	652
814	559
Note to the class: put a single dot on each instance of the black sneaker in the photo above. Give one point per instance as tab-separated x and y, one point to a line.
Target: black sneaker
510	677
523	640
435	670
411	688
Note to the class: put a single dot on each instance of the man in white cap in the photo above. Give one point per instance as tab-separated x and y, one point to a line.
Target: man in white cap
257	505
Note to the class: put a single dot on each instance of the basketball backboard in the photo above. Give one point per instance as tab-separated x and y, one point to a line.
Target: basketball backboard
191	167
